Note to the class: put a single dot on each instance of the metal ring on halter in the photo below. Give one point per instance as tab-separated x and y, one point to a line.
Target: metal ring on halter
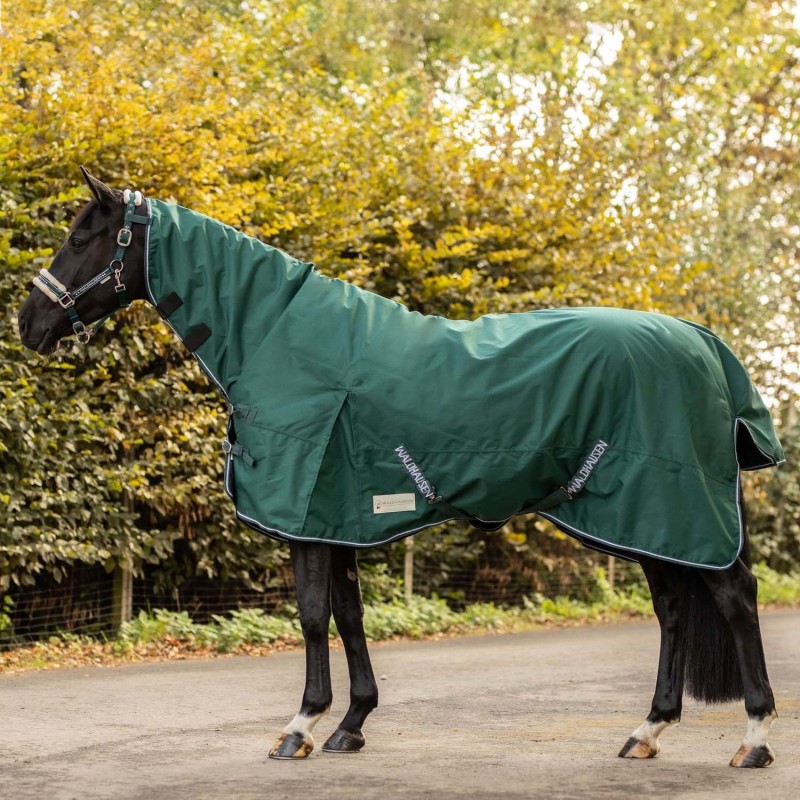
81	334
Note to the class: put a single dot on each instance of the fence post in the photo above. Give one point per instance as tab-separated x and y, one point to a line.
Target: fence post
122	597
612	571
408	570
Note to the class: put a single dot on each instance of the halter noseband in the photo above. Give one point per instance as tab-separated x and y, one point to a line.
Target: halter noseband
58	293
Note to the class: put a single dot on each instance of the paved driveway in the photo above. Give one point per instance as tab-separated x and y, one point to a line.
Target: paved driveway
539	715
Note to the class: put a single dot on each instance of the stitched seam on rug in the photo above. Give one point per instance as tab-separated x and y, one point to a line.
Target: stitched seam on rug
551	451
284	433
319	463
714	478
359	467
472	451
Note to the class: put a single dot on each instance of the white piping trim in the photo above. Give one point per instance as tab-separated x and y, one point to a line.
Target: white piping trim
569	529
739	512
582	535
610	548
261	528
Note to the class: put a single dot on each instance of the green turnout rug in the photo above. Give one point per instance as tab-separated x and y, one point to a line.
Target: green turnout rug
354	420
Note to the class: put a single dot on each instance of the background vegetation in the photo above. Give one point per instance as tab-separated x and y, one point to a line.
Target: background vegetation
463	158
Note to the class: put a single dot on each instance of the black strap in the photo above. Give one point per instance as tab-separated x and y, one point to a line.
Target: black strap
169	305
247	413
235	450
197	336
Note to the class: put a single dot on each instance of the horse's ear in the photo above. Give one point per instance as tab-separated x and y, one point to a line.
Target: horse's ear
105	195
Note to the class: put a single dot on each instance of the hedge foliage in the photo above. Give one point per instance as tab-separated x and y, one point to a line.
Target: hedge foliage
462	158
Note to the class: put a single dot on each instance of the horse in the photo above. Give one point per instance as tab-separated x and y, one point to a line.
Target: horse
710	643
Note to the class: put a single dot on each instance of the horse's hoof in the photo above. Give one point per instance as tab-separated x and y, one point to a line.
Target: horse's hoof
637	748
750	757
290	745
342	741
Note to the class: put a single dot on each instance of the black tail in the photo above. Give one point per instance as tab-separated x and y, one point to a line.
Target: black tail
712	667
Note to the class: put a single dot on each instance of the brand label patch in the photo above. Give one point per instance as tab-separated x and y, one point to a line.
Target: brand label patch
392	503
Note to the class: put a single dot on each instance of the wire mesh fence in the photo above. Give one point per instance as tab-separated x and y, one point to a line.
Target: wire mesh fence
83	602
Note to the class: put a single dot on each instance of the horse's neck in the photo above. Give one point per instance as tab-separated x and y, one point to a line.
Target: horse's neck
232	283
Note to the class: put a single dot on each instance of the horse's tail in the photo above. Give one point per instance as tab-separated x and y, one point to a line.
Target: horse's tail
712	667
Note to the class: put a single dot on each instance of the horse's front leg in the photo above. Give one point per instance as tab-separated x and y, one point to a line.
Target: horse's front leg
312	572
348	611
668	587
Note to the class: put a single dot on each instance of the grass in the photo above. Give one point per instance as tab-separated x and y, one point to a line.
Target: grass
164	634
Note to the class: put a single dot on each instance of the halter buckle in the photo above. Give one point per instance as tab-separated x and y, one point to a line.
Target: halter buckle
66	300
124	237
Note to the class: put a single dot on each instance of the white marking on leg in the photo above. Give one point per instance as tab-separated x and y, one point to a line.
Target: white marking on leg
648	733
757	730
299	728
302	725
755	750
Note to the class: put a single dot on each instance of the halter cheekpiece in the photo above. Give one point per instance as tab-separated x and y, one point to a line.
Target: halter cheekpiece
58	293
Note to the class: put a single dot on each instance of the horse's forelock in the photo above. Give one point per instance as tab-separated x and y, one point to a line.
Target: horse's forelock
84	216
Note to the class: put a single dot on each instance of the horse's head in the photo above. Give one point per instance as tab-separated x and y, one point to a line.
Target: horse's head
99	269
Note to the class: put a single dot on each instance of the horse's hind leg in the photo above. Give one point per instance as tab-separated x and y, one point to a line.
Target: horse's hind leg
735	592
348	611
668	587
312	571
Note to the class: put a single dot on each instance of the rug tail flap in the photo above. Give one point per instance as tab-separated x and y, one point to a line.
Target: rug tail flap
757	443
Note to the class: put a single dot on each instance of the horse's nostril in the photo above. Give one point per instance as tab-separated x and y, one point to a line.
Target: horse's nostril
23	326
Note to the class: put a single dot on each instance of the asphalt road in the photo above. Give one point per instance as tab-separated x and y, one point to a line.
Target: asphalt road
539	715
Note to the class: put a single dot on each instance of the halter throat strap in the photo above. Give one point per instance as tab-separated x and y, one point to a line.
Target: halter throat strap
58	292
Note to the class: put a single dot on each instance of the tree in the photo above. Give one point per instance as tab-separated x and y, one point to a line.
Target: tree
463	158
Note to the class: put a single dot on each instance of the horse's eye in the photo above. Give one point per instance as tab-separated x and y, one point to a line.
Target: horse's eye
76	243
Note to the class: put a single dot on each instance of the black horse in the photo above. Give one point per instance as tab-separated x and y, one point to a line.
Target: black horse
710	637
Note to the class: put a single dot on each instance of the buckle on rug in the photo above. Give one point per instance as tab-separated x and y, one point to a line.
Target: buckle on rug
247	413
235	450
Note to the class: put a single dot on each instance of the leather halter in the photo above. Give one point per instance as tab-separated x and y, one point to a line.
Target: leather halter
58	293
